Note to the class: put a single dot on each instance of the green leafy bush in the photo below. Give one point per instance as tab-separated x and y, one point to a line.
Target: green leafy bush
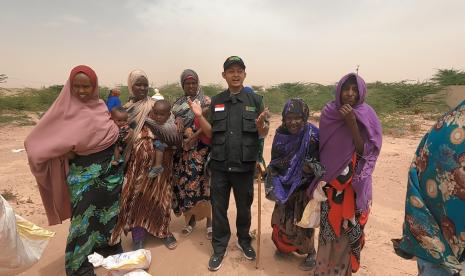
449	77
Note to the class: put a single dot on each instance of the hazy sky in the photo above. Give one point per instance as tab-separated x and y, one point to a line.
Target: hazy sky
280	41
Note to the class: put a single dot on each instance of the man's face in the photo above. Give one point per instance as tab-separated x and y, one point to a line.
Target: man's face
234	76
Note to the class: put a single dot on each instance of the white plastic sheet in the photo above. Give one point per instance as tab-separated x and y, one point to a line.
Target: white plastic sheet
311	215
22	242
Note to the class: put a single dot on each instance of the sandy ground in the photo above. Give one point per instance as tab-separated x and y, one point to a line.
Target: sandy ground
192	254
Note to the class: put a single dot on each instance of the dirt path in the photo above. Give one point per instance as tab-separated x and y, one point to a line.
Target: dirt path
193	252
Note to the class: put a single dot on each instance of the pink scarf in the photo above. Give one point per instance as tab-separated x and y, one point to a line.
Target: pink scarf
68	125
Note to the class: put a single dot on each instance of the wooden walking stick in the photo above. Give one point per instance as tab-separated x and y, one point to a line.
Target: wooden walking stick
261	165
261	173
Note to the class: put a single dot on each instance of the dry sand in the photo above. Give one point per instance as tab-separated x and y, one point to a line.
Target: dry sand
192	254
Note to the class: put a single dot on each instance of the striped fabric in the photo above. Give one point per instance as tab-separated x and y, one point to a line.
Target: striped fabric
145	202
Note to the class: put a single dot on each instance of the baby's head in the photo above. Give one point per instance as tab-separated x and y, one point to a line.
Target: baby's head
120	116
161	111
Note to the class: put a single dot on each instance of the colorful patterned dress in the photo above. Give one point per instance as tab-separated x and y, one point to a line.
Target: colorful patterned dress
434	227
95	187
287	236
192	185
191	182
145	201
339	247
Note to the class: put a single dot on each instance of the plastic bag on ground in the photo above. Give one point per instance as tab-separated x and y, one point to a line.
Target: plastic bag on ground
124	263
22	242
137	272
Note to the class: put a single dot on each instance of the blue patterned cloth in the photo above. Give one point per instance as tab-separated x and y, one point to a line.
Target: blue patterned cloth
434	226
94	186
289	151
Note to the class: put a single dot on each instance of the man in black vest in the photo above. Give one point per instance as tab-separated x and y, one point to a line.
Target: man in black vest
237	121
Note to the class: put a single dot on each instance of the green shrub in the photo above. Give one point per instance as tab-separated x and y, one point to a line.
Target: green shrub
31	99
402	96
212	89
386	98
449	77
315	95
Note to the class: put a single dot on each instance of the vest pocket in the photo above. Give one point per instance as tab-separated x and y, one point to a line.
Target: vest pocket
218	149
249	149
248	121
219	121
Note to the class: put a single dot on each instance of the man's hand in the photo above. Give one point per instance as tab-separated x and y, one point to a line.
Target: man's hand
262	120
195	107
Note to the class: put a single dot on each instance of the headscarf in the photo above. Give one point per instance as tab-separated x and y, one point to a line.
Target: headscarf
180	107
288	151
434	225
188	74
337	145
68	125
297	106
138	115
138	111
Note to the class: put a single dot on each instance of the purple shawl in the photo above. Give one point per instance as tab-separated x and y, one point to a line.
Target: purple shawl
337	146
289	151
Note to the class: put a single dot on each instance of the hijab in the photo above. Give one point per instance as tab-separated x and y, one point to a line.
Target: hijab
180	107
289	151
68	125
337	145
138	110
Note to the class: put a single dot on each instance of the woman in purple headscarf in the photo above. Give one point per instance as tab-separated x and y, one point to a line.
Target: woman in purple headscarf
350	142
294	164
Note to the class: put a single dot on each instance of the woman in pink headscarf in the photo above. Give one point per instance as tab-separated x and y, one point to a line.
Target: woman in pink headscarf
69	152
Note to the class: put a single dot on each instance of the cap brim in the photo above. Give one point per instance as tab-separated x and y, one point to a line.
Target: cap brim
229	64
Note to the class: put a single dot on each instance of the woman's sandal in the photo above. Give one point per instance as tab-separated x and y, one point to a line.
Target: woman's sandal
209	233
170	242
187	230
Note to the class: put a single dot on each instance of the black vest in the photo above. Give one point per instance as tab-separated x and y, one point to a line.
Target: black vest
235	137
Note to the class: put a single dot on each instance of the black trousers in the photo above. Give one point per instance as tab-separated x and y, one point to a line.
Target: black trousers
220	189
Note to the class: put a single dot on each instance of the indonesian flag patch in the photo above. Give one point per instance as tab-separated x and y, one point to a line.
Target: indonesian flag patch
219	107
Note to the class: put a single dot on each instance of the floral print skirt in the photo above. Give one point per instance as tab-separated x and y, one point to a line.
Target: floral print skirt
94	188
